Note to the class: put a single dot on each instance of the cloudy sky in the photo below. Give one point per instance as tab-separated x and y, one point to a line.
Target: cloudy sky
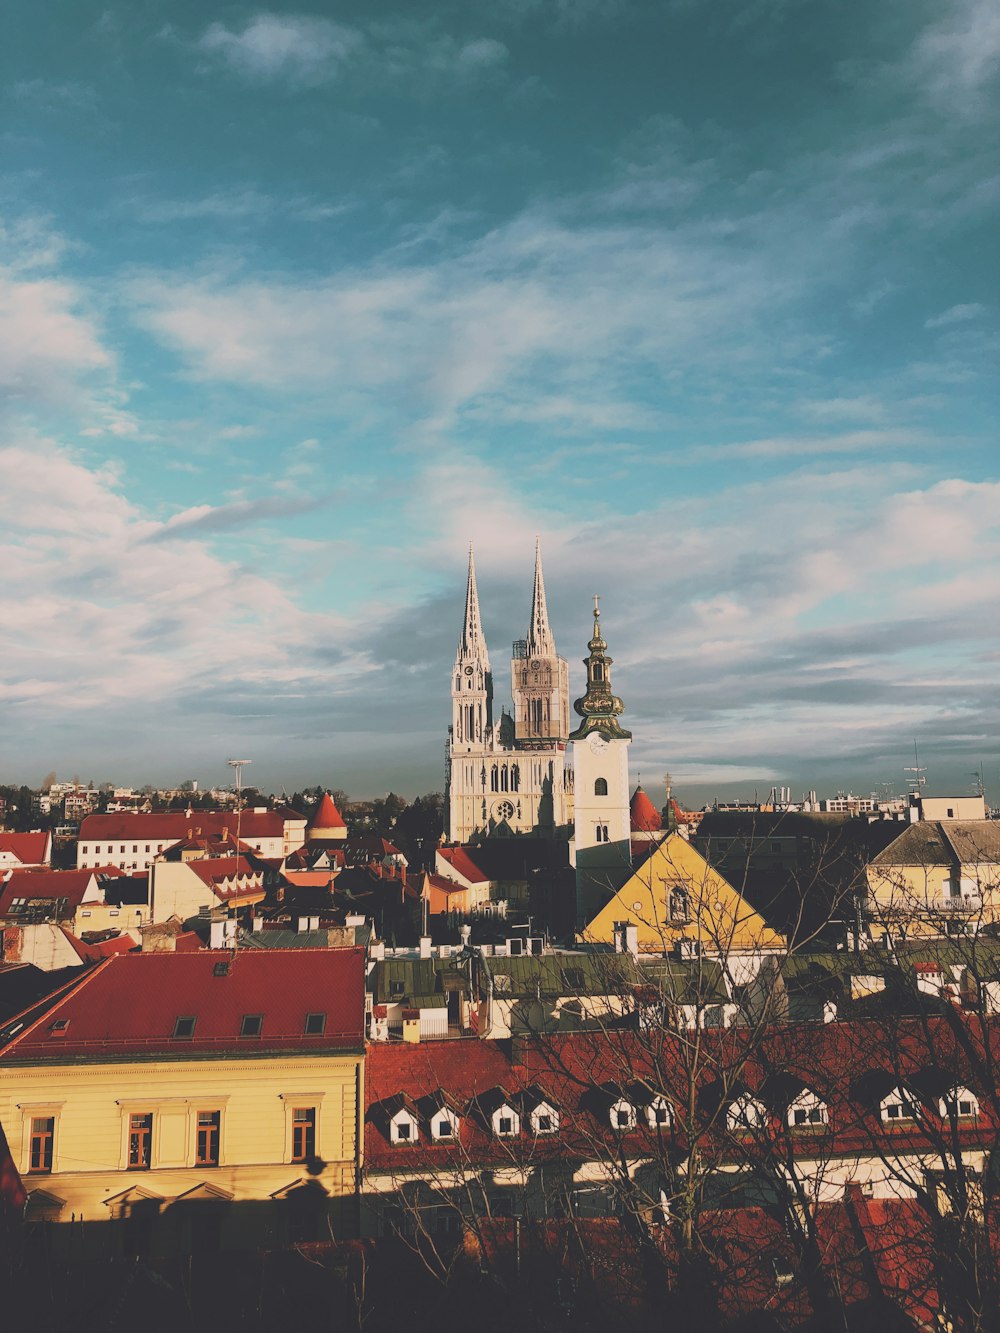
295	303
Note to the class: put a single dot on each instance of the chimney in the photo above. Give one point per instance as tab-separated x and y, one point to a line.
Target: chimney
217	934
425	946
376	950
626	938
465	935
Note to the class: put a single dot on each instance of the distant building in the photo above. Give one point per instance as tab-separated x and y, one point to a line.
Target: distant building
133	841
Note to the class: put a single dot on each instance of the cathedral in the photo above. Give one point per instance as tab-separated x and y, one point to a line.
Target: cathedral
509	773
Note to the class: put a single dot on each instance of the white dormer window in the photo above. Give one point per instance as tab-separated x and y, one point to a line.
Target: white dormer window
658	1113
960	1103
403	1127
744	1113
506	1122
544	1119
807	1111
444	1125
622	1114
896	1106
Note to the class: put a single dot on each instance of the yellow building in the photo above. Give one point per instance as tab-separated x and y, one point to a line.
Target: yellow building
208	1095
675	895
938	874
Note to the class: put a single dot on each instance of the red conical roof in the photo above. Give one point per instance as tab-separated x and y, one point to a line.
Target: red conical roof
643	814
326	815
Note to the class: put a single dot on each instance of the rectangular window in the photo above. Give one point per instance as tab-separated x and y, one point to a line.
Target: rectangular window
207	1146
43	1133
403	1130
184	1027
444	1129
505	1126
140	1141
303	1133
315	1025
251	1025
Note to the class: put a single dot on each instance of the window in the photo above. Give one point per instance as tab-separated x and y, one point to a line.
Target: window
140	1141
397	987
658	1114
601	787
808	1115
43	1133
623	1119
572	977
506	1124
443	1130
207	1144
184	1027
251	1025
966	1106
404	1131
601	833
303	1133
315	1025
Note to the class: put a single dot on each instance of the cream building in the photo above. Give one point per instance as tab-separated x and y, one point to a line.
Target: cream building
210	1094
508	773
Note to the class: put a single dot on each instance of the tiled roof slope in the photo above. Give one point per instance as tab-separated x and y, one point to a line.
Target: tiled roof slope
462	863
69	884
175	824
127	1007
29	848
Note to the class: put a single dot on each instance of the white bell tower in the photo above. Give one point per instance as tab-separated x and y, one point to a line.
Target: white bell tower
602	829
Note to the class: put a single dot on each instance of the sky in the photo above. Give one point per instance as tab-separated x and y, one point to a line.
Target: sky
297	302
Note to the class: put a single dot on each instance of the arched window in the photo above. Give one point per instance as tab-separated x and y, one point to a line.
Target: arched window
494	779
602	833
601	787
515	778
504	779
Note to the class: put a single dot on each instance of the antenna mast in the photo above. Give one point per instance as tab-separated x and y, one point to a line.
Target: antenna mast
919	778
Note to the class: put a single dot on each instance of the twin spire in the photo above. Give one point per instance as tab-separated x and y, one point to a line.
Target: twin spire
473	641
540	639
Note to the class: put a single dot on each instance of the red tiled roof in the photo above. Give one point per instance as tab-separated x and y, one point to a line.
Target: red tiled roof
171	825
69	884
462	863
643	814
31	849
128	1006
326	815
447	885
228	876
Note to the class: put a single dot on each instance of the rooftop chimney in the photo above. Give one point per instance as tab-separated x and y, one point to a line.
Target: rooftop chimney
425	946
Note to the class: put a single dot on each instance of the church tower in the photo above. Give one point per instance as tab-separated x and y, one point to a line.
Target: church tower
602	836
471	712
540	678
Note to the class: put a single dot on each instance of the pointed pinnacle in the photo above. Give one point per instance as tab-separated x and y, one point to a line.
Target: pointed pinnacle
540	640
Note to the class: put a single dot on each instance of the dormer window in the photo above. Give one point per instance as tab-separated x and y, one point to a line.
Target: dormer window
806	1111
506	1122
403	1126
744	1113
896	1106
658	1113
315	1025
544	1119
960	1103
622	1114
251	1025
397	987
184	1027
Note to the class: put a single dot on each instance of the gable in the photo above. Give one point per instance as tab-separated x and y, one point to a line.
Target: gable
675	895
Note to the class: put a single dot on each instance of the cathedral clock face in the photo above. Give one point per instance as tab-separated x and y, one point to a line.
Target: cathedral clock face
597	743
535	664
503	810
468	671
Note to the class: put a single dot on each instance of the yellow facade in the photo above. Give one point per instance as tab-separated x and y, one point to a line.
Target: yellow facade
91	1106
676	895
935	876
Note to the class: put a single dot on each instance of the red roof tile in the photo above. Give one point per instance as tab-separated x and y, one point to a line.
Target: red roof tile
69	884
643	814
326	815
172	825
31	849
462	863
128	1005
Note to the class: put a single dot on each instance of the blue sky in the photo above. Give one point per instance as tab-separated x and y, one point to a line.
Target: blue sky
295	303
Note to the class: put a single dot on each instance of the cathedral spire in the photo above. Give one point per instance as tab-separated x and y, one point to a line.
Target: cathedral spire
472	644
540	640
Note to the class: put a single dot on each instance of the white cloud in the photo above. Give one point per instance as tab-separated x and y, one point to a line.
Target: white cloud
293	47
956	314
959	55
